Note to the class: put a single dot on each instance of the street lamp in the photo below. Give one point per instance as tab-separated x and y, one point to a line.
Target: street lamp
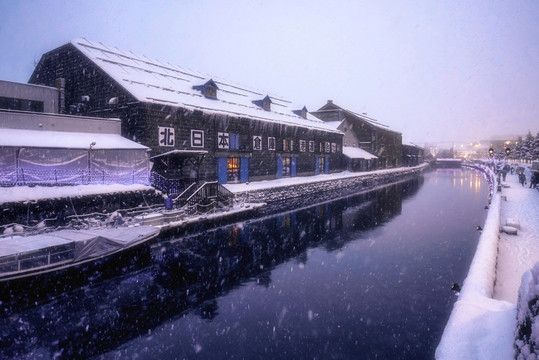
92	144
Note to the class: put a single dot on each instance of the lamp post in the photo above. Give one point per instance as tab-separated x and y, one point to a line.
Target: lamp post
92	144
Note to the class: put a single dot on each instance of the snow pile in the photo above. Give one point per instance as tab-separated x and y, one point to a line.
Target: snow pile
477	327
34	193
527	331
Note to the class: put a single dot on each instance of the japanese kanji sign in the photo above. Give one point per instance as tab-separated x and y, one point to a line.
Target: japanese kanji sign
257	142
223	140
302	146
166	136
197	138
271	143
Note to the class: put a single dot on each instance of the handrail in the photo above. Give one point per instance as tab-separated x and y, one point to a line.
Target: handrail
224	190
186	190
200	189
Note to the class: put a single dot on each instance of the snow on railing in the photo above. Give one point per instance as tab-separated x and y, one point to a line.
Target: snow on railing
57	177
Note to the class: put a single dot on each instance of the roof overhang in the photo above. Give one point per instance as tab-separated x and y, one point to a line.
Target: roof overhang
65	140
181	153
357	153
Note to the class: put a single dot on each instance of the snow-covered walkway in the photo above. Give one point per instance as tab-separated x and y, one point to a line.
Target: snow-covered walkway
519	253
483	320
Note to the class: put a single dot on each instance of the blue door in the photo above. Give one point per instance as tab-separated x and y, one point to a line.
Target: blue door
326	169
317	166
279	168
244	170
221	170
293	166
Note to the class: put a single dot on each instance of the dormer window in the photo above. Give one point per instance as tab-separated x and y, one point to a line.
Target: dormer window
265	103
209	89
303	112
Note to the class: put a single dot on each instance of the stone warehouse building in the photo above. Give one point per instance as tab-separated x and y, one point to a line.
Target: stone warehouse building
367	143
197	127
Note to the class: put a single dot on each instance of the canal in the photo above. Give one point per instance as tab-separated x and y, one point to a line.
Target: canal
363	277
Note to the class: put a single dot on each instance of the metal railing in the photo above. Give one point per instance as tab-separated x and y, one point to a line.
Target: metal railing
207	196
58	177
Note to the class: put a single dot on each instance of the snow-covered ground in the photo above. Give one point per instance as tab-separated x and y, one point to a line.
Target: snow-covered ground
27	193
482	324
287	181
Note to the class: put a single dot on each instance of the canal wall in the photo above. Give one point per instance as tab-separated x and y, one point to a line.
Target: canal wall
475	302
312	191
308	191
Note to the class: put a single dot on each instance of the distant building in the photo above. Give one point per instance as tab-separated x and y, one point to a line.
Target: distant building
38	147
26	97
197	126
382	147
412	155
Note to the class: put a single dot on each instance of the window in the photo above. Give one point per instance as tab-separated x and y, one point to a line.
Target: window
311	146
234	141
233	170
197	138
288	145
287	167
322	165
211	92
21	104
209	89
271	143
333	147
304	112
321	147
328	147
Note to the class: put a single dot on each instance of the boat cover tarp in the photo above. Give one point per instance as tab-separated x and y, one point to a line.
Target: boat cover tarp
87	243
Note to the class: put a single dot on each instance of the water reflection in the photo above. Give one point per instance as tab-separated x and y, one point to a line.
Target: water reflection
239	282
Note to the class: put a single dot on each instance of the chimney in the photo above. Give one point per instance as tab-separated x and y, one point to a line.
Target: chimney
330	101
60	84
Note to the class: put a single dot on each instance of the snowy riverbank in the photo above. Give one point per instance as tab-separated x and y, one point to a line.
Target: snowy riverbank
482	324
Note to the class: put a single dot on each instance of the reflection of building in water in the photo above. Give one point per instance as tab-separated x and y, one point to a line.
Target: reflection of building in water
194	270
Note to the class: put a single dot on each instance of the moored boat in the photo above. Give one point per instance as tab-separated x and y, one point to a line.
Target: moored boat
30	256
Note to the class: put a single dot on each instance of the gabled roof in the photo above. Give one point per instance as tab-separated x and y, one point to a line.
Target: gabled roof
153	81
332	107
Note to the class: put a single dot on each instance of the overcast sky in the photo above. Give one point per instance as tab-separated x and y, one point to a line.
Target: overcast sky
436	71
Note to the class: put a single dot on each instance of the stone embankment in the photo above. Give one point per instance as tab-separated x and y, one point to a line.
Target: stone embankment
310	191
277	196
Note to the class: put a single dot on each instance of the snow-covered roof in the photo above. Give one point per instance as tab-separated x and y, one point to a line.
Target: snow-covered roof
150	80
335	124
330	107
407	143
65	139
357	153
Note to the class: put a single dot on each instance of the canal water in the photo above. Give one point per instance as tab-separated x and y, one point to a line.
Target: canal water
364	277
